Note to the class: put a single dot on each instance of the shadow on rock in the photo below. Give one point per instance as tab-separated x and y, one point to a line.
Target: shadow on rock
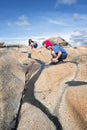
76	83
30	98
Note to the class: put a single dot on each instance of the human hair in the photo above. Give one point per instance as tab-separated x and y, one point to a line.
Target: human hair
29	41
43	43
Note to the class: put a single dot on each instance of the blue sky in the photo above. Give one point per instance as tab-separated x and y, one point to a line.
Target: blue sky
40	19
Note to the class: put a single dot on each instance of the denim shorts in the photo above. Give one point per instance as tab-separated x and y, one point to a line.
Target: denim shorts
63	56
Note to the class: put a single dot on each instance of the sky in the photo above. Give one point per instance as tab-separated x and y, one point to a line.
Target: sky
41	19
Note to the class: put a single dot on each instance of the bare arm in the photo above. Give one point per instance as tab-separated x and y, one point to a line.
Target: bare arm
57	57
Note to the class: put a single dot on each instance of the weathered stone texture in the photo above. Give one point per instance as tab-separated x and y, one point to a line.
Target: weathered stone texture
39	97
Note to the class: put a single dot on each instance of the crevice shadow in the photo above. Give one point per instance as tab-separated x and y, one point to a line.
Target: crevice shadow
72	61
64	62
76	83
30	98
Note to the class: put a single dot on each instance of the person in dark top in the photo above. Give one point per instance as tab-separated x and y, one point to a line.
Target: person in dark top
32	44
58	52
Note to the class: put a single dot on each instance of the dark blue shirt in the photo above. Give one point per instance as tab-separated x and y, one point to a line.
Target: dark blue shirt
35	45
57	49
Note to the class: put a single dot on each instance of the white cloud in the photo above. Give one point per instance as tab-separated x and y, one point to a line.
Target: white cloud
38	39
78	17
21	21
69	2
56	22
79	38
75	38
65	2
22	17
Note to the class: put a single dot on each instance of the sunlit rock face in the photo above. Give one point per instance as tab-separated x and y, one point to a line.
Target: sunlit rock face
59	41
39	97
74	104
12	82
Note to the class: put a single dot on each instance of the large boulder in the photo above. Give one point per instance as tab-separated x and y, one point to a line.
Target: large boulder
54	91
2	44
52	97
59	41
12	82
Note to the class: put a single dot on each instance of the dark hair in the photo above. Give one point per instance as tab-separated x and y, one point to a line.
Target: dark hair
43	43
29	41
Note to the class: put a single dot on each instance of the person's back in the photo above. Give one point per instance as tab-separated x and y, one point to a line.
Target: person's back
35	45
59	53
57	48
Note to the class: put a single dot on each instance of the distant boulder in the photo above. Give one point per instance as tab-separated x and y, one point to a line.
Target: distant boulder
2	44
59	41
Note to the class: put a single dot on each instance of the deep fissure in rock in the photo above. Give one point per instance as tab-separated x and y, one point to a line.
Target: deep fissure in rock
28	96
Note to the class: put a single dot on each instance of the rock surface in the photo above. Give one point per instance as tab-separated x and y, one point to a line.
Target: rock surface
59	41
34	96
